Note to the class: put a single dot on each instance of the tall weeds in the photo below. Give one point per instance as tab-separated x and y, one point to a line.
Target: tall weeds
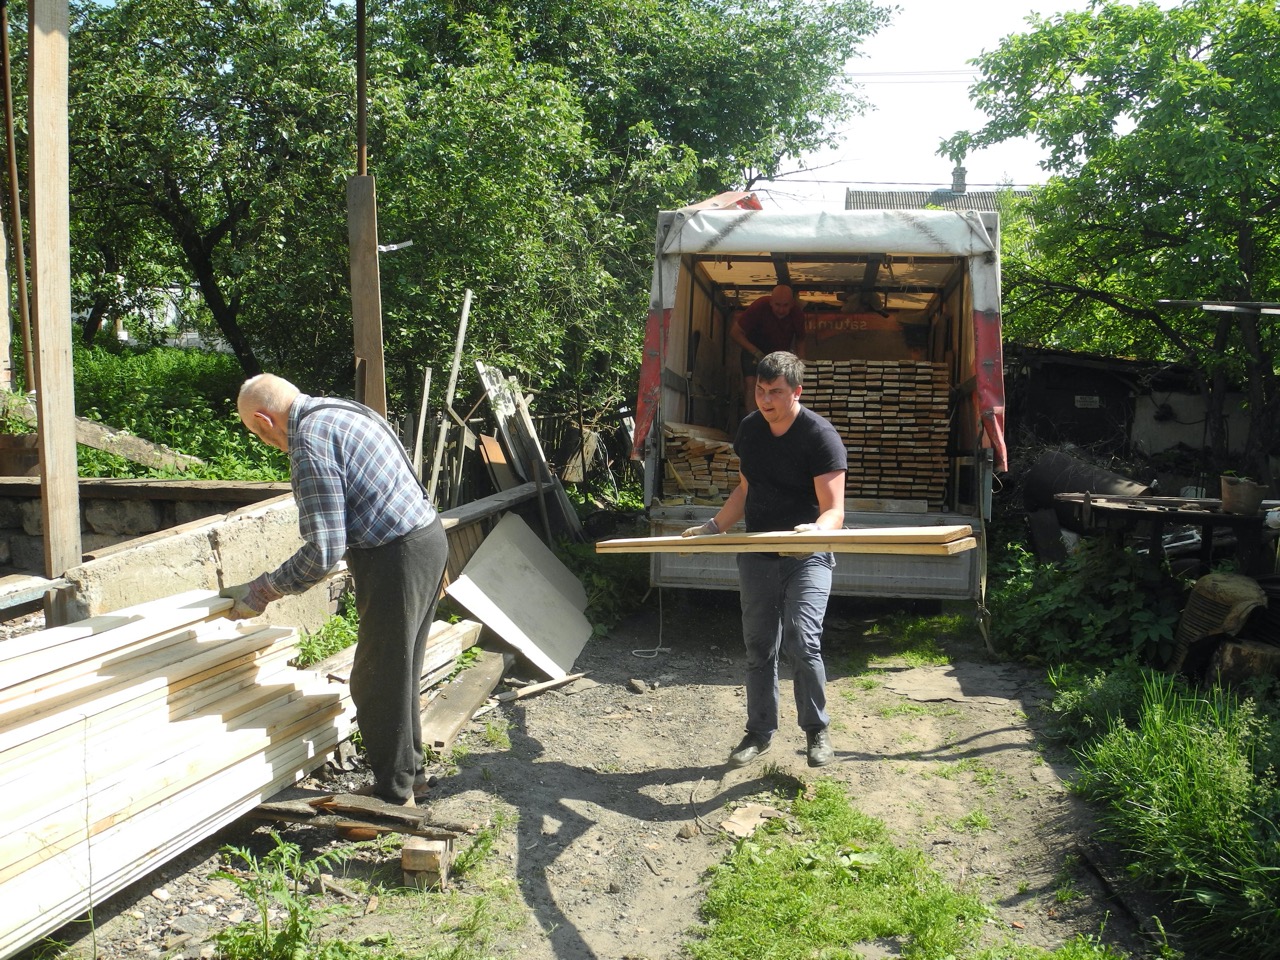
1185	796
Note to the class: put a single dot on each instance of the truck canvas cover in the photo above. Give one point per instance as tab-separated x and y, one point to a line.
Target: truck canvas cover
890	251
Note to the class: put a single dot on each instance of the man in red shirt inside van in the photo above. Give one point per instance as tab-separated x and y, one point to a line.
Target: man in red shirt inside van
771	323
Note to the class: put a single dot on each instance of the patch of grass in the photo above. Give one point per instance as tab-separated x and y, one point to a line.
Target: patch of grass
1183	794
910	709
838	880
497	733
184	399
983	774
975	821
1081	947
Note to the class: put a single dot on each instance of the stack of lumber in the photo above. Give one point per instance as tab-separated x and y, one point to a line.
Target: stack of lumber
894	419
700	459
129	737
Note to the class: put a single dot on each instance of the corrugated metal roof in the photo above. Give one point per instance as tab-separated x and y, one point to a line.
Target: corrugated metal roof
942	199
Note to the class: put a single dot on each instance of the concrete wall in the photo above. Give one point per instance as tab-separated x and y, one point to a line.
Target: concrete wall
204	554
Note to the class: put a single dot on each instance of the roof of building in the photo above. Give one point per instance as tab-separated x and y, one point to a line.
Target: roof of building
955	197
942	199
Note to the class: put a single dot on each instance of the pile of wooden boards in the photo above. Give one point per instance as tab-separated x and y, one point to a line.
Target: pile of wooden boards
700	459
129	737
894	418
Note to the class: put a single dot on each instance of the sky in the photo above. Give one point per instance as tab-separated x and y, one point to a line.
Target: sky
915	76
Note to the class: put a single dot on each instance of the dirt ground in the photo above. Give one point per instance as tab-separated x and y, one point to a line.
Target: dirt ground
615	790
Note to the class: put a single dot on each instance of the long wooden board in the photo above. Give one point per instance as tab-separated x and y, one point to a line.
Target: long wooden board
864	540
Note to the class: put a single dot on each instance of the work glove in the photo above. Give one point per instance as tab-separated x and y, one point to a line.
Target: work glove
800	528
703	529
250	599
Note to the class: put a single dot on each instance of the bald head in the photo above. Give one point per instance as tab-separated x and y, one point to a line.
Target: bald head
782	299
263	404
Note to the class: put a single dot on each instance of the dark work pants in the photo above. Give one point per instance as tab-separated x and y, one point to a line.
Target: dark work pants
396	586
784	600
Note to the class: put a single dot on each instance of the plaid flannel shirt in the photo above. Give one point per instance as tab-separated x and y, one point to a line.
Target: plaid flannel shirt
353	486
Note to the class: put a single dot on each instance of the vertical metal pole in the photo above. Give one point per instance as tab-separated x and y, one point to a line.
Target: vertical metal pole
362	120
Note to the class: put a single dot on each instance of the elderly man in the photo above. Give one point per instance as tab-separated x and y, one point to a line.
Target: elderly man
793	465
775	322
357	497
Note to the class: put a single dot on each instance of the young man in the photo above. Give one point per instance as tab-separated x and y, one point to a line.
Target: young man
792	465
357	497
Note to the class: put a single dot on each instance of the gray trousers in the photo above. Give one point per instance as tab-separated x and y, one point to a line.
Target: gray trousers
396	587
784	600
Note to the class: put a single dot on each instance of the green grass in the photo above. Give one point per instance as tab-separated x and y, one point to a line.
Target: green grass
1182	792
335	634
184	399
839	881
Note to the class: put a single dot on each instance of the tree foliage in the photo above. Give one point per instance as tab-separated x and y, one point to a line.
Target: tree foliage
522	145
1161	132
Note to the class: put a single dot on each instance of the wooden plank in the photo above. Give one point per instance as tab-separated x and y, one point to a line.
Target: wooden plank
99	730
147	619
132	791
164	677
495	459
448	713
18	589
366	293
61	888
492	506
789	539
516	587
51	285
91	433
718	545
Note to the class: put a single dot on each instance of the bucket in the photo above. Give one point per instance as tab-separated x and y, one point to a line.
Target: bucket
1242	496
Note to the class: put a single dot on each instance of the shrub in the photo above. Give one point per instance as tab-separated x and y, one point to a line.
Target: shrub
1101	603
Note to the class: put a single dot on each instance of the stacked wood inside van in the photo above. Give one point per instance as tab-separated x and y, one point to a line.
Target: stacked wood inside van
894	419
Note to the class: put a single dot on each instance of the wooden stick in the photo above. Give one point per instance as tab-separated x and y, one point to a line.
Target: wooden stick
533	688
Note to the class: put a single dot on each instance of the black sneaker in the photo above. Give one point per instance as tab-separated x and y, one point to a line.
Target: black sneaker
820	749
752	746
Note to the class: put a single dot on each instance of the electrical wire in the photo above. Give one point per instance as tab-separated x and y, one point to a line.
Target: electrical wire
654	651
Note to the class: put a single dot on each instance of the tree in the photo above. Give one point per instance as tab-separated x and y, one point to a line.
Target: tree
200	133
522	146
1161	128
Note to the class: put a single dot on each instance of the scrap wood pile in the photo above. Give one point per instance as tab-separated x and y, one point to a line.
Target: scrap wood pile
700	460
129	737
894	419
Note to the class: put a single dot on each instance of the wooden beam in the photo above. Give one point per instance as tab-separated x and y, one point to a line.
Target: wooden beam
366	292
51	286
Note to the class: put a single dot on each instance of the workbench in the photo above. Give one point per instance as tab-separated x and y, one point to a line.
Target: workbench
1128	514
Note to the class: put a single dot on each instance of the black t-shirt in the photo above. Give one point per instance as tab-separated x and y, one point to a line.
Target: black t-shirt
780	470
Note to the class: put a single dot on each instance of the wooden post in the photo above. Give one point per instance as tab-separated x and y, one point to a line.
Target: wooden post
51	284
366	295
